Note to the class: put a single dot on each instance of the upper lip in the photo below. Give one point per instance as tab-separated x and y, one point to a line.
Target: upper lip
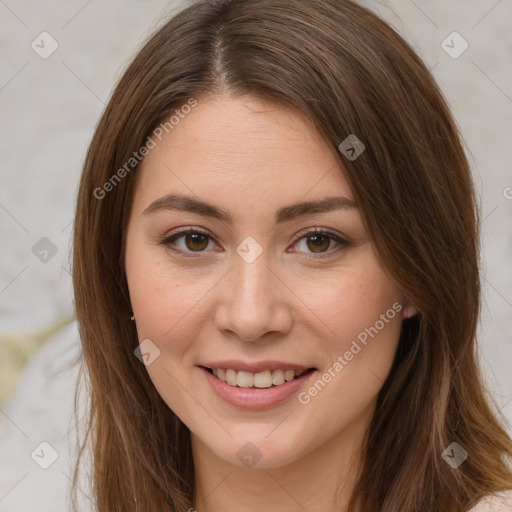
254	367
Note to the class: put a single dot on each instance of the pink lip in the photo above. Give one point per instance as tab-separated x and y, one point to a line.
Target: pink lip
256	367
255	398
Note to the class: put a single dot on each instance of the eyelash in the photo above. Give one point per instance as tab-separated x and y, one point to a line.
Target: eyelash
168	241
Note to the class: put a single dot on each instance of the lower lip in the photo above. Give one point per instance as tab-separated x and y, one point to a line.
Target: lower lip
256	398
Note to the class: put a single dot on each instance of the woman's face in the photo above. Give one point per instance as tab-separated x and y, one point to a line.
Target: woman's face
252	290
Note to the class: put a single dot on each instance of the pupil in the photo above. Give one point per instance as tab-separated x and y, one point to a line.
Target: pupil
317	242
194	241
197	241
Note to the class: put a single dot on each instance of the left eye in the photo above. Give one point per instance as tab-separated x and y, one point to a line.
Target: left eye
319	242
194	241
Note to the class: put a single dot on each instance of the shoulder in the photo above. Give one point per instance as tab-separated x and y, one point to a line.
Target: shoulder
499	502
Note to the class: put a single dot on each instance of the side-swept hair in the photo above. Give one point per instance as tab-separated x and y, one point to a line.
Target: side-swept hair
349	73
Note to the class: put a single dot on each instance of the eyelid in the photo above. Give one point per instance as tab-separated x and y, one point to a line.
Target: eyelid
167	240
340	239
320	231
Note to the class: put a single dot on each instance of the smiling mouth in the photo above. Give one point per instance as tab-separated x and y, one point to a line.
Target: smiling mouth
261	380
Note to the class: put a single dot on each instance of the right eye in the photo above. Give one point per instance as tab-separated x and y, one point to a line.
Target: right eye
190	241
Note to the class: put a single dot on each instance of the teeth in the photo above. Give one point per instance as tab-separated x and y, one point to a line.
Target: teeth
277	377
261	380
231	377
244	379
289	375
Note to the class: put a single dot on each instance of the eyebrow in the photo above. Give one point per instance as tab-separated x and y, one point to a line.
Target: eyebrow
191	204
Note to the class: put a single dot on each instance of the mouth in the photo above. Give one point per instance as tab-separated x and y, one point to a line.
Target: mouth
270	378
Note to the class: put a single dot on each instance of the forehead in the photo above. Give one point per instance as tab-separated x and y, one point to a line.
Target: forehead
242	150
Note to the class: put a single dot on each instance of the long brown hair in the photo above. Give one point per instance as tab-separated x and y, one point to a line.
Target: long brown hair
349	73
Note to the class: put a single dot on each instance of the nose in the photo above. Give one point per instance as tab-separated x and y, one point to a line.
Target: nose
253	301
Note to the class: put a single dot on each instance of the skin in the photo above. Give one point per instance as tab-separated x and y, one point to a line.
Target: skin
291	304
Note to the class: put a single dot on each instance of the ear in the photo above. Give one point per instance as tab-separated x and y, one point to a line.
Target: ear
409	309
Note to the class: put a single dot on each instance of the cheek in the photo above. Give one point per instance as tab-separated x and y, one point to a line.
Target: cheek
363	314
169	312
163	298
349	302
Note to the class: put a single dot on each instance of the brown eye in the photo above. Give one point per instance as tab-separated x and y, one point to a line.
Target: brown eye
187	242
196	241
318	243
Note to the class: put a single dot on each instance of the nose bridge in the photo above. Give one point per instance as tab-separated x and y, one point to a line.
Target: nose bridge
252	282
253	302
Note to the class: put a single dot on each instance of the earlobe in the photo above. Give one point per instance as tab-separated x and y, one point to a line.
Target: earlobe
409	310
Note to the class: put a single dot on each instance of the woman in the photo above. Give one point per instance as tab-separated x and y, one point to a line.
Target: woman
276	274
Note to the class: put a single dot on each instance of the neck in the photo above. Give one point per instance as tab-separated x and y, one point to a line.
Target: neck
322	480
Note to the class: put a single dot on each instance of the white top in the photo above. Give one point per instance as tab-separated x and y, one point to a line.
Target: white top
500	502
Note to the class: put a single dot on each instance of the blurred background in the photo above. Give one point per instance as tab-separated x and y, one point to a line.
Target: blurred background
59	62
